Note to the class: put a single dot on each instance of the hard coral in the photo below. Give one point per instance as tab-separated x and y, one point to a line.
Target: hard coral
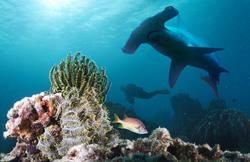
29	116
84	153
227	127
187	112
172	150
81	73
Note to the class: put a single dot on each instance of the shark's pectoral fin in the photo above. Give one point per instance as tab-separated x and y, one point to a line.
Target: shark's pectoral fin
202	50
175	70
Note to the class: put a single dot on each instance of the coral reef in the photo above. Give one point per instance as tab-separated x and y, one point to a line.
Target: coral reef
215	125
31	114
82	153
82	120
160	146
81	73
227	127
217	103
71	124
27	121
187	112
48	125
140	157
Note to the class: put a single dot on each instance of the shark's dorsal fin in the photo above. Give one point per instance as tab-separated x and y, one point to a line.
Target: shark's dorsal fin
175	70
202	50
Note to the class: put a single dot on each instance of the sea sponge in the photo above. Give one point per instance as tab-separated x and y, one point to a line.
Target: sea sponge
81	73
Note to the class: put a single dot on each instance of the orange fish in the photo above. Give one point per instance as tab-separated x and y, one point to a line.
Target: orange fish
131	124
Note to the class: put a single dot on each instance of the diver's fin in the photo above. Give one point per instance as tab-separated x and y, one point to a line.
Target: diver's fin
202	50
212	82
175	70
117	119
164	91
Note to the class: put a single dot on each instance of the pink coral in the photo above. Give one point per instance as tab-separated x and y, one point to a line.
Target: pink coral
29	116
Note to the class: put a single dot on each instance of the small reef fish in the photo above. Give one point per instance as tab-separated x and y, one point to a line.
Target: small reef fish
132	91
131	124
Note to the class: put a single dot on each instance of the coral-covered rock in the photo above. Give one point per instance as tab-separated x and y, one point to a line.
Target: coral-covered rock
49	140
160	144
140	157
85	153
227	127
187	112
217	104
29	116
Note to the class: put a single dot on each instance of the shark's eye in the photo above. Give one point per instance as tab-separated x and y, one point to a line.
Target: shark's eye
169	8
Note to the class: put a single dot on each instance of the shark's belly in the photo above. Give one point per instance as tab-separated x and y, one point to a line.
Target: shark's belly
168	44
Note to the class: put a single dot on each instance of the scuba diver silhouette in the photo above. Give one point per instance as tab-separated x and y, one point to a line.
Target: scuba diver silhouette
131	91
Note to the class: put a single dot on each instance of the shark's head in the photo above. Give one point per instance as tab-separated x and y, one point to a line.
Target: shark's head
154	23
134	41
169	12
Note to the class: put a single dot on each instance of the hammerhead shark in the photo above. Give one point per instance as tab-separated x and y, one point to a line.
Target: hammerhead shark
179	46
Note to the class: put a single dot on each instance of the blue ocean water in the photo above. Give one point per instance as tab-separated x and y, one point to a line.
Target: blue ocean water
35	35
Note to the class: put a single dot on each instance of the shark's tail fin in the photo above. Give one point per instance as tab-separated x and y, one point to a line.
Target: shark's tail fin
213	80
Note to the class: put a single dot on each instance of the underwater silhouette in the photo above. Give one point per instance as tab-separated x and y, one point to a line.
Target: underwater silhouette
131	91
176	44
